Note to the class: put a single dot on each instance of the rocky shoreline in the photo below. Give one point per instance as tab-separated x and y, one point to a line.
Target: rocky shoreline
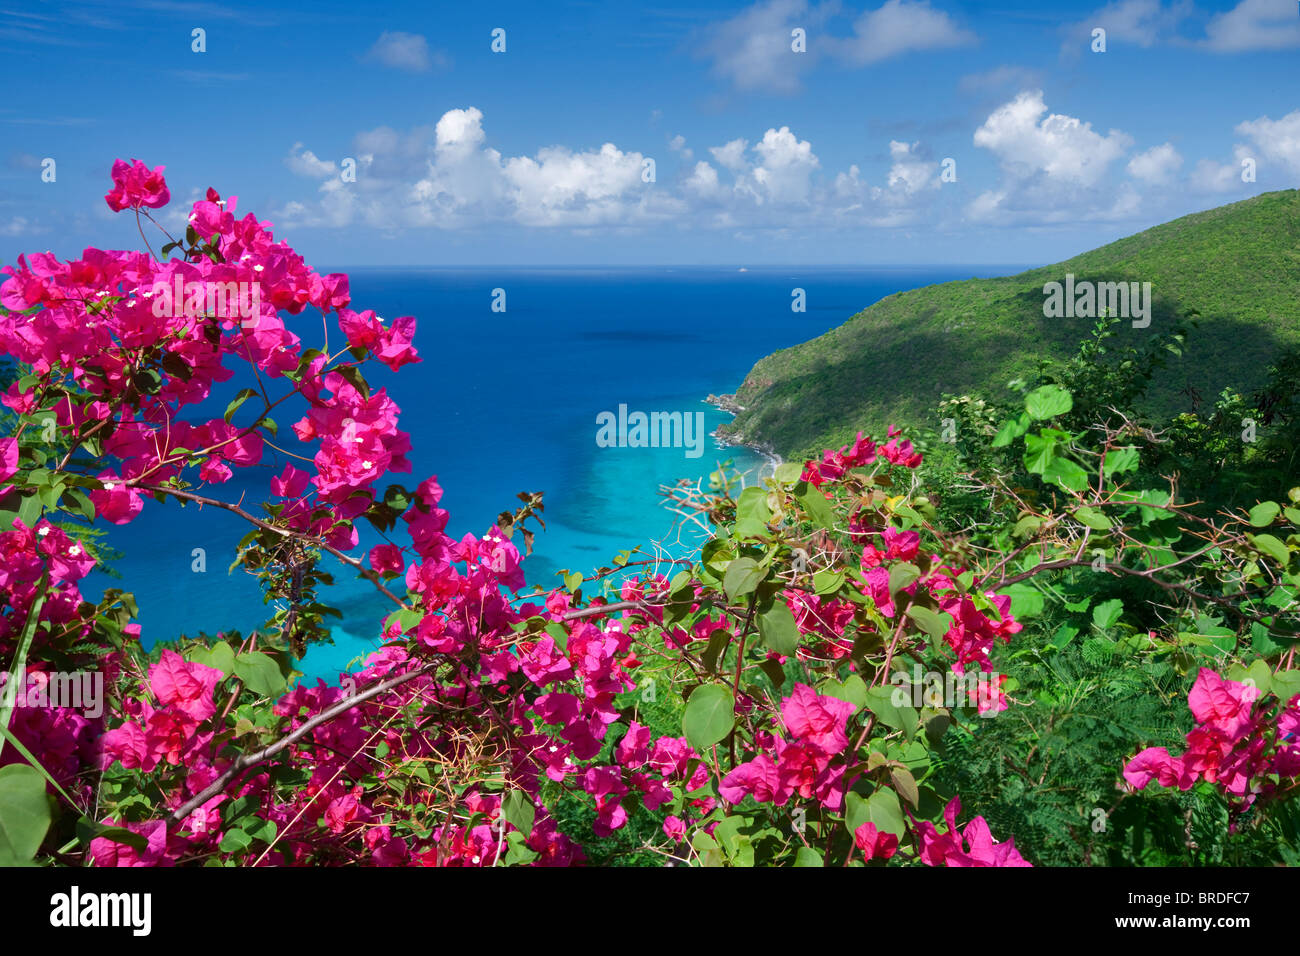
727	403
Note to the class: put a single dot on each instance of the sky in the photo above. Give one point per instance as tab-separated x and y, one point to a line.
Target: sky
780	132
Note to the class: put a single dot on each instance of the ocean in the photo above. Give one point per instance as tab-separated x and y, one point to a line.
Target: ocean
507	402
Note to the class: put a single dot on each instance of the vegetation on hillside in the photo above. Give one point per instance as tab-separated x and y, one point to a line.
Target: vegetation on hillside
1233	270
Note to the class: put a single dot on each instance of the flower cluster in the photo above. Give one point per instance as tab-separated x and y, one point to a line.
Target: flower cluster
1235	745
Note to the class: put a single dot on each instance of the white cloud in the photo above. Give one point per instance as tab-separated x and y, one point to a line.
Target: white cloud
678	145
910	174
305	163
1207	176
1255	25
448	176
1157	165
1278	141
1140	22
405	51
703	182
1053	168
753	50
898	27
732	155
786	164
1060	148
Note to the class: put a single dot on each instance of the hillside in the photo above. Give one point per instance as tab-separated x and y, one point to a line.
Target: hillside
1238	265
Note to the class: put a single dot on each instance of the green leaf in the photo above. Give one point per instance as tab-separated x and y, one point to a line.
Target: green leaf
352	375
519	811
1271	546
1262	515
933	623
827	582
1105	615
1121	460
24	814
884	810
1093	518
220	656
1258	674
244	395
807	856
752	513
259	673
853	690
1048	401
903	575
1026	600
880	702
788	472
1066	473
573	581
742	577
710	714
815	504
1010	431
905	785
777	628
235	841
1286	684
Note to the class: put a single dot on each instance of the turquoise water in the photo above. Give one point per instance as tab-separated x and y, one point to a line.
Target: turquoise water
507	402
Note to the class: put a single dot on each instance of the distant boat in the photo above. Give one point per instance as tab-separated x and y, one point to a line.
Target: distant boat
742	269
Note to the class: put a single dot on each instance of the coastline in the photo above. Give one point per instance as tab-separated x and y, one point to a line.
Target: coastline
727	403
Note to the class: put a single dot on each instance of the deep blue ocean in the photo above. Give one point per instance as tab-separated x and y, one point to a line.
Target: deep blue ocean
506	402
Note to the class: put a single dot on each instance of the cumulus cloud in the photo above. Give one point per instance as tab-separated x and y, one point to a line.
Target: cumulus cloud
1060	148
1254	25
731	155
1278	141
1052	166
405	51
752	50
448	177
898	27
305	163
678	145
785	168
1140	22
1157	165
1209	176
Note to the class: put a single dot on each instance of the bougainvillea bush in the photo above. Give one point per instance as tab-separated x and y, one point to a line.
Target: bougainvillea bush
786	696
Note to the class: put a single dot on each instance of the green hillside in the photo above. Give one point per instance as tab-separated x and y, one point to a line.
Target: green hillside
1237	265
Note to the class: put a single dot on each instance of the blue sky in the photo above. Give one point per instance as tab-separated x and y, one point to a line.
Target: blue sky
537	155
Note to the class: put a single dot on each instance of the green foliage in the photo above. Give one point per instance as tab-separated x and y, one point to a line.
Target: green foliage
1234	266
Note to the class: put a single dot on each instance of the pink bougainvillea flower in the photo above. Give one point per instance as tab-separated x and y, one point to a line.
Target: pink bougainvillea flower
817	719
135	185
873	843
116	501
184	685
973	846
290	483
387	559
756	778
